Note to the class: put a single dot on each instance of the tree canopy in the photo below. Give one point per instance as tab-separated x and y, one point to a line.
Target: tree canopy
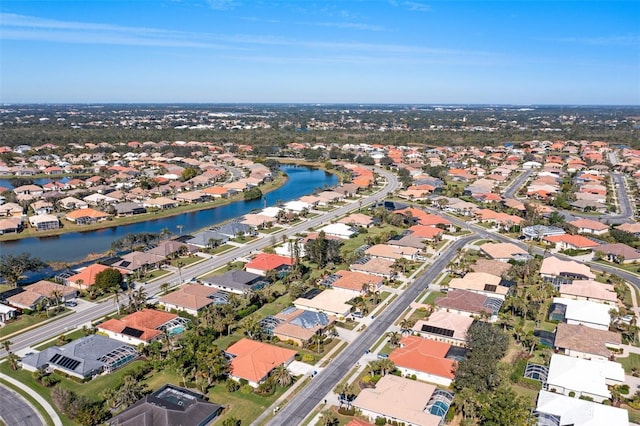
13	267
109	279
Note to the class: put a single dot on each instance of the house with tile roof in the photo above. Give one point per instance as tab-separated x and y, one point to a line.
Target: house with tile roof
559	271
254	361
141	327
398	399
86	216
586	342
426	359
468	303
443	326
589	226
265	262
355	283
589	290
190	298
86	277
504	252
571	242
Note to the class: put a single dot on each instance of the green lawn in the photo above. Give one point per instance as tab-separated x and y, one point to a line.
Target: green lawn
244	239
225	268
71	336
25	321
94	387
630	362
221	249
156	274
271	230
433	296
27	379
186	261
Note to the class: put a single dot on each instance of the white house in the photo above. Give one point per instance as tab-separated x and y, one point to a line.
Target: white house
580	377
339	230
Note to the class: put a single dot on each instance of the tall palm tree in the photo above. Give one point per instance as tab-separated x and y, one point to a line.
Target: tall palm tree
6	344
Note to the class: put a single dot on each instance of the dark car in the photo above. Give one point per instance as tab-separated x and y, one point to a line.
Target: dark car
71	303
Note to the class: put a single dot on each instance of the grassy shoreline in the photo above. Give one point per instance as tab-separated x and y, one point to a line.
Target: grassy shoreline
70	227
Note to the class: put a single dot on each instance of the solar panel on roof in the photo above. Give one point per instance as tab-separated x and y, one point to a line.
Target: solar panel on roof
490	287
133	332
437	330
65	362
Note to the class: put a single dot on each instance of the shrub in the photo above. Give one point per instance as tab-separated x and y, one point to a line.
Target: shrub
308	358
246	389
244	382
381	421
232	385
572	394
350	412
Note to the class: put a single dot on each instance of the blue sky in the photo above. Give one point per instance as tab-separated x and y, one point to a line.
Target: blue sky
504	52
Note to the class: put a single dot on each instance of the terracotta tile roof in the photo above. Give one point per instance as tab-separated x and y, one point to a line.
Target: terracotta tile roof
428	232
88	212
502	250
268	261
88	274
147	320
424	355
589	224
253	360
577	241
355	281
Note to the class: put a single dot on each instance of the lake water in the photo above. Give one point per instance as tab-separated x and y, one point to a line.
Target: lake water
75	246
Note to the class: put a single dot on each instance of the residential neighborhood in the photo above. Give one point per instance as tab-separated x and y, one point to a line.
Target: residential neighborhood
428	283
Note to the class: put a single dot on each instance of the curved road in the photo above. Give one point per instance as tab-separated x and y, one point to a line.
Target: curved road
54	328
17	411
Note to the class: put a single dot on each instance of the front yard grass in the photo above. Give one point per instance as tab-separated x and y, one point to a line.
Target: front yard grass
186	261
271	230
630	362
25	321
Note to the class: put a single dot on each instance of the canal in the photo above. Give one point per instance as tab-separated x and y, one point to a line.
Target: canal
76	246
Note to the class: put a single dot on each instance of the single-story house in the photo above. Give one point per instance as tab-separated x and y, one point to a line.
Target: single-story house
566	410
443	326
426	359
586	342
398	399
82	358
142	327
238	281
254	361
168	406
590	378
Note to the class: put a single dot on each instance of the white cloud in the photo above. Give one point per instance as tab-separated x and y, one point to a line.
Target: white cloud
416	7
222	4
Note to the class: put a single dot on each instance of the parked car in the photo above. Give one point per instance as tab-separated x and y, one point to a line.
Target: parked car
71	303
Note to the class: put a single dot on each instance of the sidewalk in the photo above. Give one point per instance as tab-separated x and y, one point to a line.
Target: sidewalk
33	394
299	382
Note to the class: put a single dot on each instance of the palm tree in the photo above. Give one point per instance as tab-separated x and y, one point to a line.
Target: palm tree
130	391
6	344
282	376
394	338
406	325
386	366
180	228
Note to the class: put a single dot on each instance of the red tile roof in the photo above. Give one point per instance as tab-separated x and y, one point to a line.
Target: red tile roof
424	355
254	360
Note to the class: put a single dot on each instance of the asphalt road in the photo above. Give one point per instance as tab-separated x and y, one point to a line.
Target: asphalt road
511	190
306	400
15	410
482	232
74	320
